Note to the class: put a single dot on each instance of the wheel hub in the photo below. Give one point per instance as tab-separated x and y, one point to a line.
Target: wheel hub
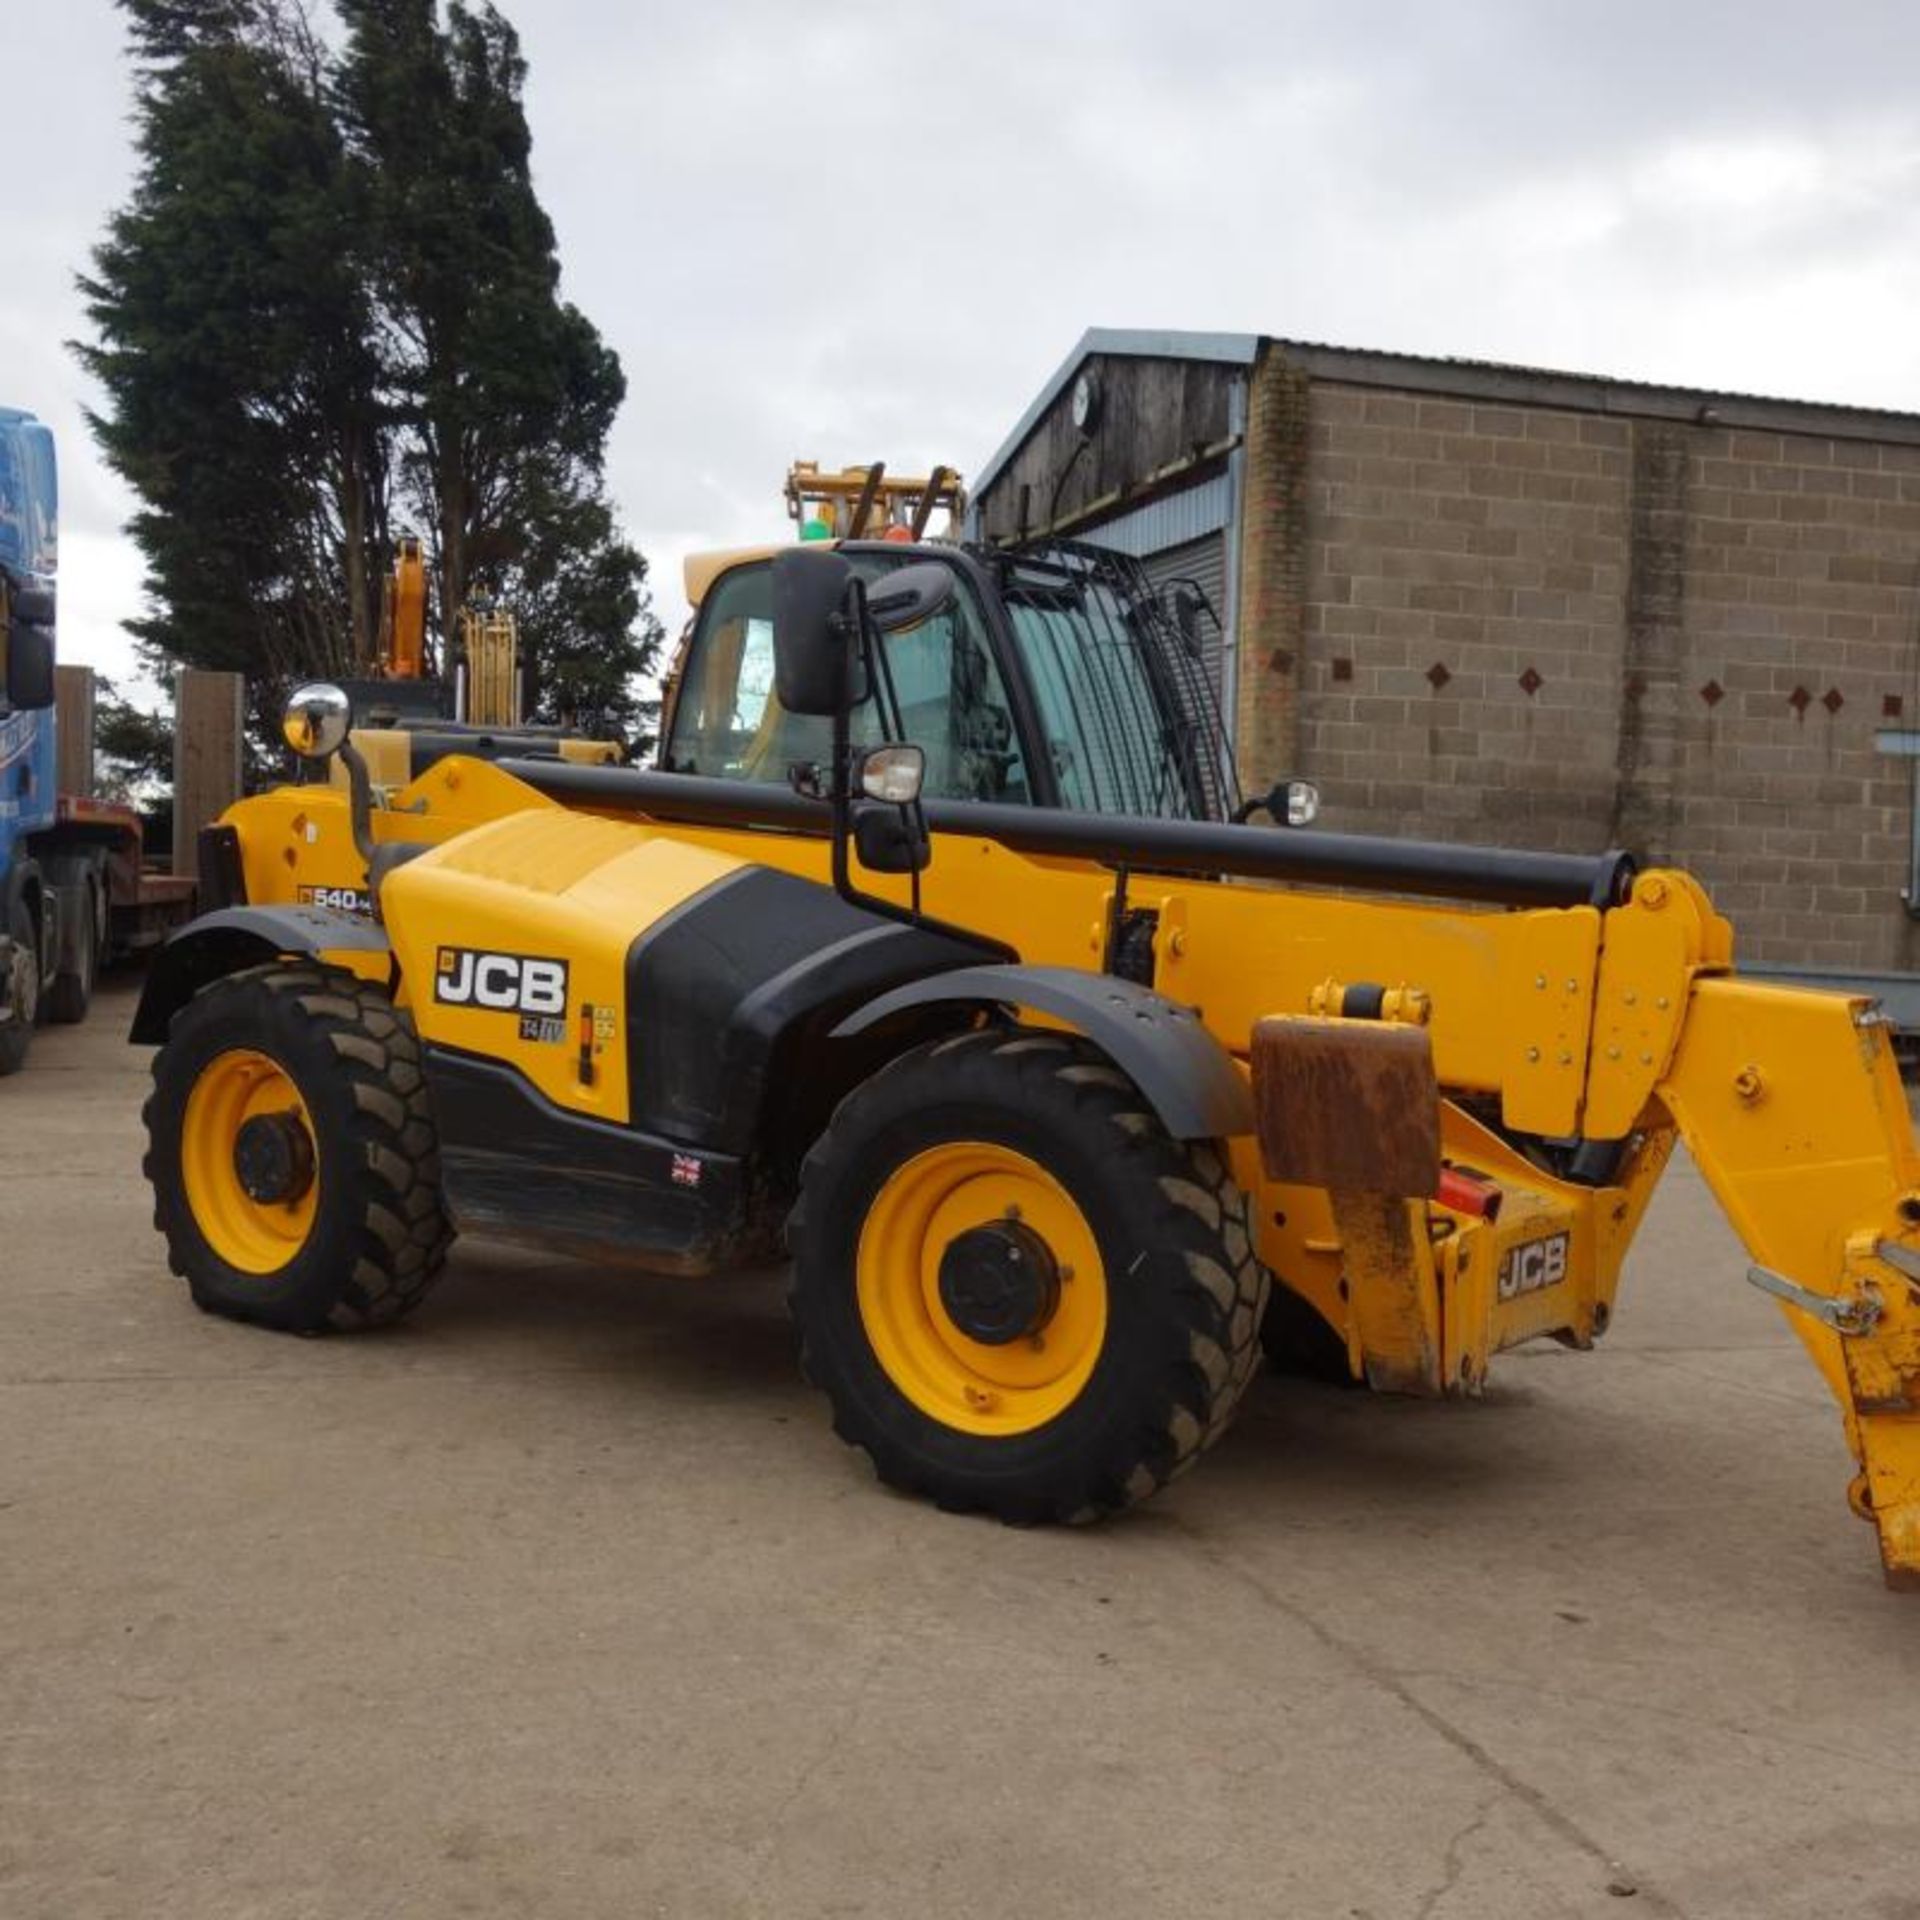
273	1158
999	1283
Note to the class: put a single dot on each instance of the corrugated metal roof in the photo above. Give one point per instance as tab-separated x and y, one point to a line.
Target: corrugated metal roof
1598	393
1476	379
1324	352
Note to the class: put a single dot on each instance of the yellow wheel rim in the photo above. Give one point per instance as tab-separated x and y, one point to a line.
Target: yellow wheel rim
253	1235
965	1383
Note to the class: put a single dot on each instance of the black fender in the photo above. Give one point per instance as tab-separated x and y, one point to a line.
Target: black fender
1187	1076
728	992
216	944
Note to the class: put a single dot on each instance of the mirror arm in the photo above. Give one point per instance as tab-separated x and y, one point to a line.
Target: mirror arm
840	798
360	801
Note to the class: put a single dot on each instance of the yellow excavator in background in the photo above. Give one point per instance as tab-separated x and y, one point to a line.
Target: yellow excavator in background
488	676
487	685
408	716
403	614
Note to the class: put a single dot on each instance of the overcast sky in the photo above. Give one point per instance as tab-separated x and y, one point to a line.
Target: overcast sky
859	232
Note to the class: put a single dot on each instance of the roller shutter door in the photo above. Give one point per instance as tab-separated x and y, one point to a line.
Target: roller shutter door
1204	562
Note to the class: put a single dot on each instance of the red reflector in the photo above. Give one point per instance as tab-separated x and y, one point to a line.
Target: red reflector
1468	1193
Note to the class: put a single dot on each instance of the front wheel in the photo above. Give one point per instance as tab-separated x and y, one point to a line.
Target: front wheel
1020	1294
292	1152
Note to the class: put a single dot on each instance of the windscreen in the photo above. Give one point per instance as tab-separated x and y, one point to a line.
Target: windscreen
728	724
29	501
1129	715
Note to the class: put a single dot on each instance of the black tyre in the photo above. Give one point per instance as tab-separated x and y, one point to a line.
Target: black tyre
292	1152
1020	1294
1298	1342
24	989
71	992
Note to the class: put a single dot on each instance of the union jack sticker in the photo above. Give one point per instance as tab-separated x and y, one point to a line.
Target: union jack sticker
686	1170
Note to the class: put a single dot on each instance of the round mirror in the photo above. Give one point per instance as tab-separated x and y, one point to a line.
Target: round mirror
317	719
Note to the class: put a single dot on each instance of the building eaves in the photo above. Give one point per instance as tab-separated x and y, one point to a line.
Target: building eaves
1234	349
1595	393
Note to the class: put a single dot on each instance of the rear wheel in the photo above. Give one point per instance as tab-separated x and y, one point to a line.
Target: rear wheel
71	991
292	1152
1300	1343
1021	1295
23	988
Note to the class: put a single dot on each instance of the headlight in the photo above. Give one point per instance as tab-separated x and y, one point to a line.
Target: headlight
893	773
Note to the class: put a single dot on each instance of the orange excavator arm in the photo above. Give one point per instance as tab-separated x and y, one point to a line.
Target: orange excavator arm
403	614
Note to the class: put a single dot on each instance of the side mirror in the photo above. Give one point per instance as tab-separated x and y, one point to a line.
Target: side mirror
816	643
29	663
909	595
317	720
891	840
32	606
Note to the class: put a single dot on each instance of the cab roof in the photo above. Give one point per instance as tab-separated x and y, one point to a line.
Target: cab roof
700	570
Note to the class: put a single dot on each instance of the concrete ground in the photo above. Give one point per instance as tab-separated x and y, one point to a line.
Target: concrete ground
563	1600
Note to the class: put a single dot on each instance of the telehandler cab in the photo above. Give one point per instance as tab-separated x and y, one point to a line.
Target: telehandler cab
1039	1099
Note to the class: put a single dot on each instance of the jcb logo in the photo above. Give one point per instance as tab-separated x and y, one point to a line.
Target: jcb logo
1532	1265
500	982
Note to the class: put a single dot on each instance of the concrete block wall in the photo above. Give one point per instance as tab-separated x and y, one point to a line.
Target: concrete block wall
1541	626
1803	555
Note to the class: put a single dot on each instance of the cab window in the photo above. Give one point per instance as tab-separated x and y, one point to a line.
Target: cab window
728	724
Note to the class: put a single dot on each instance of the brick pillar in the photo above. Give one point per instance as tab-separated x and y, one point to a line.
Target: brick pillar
1272	598
1646	800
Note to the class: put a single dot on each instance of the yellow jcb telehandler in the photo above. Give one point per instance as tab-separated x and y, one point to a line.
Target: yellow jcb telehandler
1041	1099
